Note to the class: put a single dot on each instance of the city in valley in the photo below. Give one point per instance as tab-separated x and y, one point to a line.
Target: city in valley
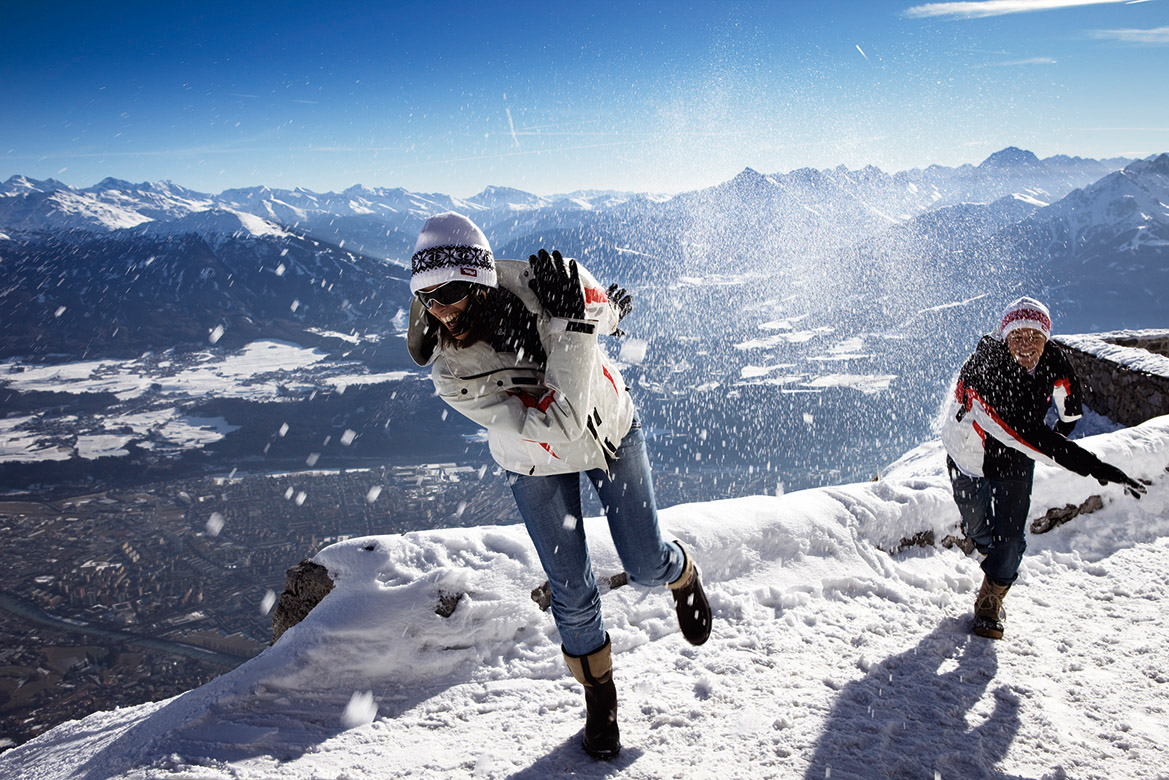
123	596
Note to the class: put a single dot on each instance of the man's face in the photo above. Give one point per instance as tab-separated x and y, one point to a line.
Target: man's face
1026	347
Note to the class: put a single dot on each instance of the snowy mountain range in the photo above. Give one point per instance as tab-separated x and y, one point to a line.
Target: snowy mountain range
834	235
162	284
390	217
28	205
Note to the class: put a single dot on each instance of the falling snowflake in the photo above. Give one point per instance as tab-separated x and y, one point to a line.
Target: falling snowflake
633	351
360	711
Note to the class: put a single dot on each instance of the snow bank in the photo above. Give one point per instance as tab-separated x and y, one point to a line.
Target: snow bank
829	656
1101	345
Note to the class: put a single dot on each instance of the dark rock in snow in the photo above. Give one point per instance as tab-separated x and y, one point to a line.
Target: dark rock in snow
305	584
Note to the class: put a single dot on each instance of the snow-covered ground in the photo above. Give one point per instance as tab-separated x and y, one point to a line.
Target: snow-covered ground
253	372
152	391
830	658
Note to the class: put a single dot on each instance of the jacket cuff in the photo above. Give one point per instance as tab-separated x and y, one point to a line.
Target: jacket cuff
562	325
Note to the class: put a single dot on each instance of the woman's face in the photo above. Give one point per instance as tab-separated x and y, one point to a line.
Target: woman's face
450	315
1026	347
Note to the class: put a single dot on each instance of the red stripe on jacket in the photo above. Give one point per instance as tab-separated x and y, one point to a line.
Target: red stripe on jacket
610	378
1002	424
531	402
595	295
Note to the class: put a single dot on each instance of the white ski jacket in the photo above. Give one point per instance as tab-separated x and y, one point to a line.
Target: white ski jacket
567	415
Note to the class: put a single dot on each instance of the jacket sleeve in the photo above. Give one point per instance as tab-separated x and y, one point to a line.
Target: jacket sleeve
598	310
1034	440
1067	395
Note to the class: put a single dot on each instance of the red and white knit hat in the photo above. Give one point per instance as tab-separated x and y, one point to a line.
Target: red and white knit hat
449	248
1026	313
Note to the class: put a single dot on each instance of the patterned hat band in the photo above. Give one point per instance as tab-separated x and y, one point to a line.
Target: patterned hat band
452	256
1027	318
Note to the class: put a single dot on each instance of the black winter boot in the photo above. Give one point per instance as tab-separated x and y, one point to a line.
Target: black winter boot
988	609
602	737
694	617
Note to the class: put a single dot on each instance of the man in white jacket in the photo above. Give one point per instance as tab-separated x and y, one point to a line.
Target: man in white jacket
513	346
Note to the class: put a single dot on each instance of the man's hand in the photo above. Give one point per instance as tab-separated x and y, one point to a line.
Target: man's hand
1109	473
557	287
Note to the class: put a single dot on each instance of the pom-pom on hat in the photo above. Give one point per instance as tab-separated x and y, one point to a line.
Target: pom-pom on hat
1026	313
449	248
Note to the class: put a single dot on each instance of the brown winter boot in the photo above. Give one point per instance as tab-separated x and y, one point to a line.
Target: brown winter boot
988	609
602	738
690	602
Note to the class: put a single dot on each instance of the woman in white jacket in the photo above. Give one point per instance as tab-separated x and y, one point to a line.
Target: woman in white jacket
513	346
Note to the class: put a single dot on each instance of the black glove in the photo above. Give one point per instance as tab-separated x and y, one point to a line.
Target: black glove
621	300
1108	473
557	287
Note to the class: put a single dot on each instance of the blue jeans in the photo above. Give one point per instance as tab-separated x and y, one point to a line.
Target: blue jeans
627	496
994	517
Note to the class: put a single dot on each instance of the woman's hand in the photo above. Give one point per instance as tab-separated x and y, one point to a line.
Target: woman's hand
556	286
621	301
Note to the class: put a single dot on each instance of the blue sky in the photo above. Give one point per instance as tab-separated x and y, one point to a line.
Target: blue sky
552	97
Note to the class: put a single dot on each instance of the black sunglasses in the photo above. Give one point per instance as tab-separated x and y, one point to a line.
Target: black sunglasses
447	293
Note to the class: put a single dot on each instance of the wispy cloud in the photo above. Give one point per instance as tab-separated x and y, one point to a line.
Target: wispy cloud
977	9
1028	61
1156	36
1125	129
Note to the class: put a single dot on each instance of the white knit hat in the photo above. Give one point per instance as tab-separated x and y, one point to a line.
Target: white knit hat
1026	313
451	247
